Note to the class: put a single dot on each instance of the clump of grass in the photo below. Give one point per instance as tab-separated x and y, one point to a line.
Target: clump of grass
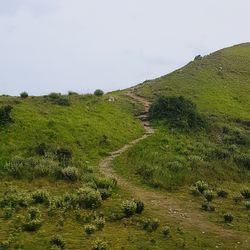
228	218
150	225
90	229
166	231
58	99
5	112
32	225
40	196
201	186
99	223
70	174
209	195
206	206
222	193
139	206
245	193
129	208
58	241
100	245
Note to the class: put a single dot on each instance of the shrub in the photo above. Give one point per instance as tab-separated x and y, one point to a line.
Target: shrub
222	193
99	223
206	206
104	182
150	225
129	208
245	193
57	240
209	195
5	114
177	111
72	93
194	191
41	149
89	229
88	198
15	168
34	213
228	218
247	205
7	213
98	92
139	206
70	174
64	155
99	245
32	225
105	193
237	198
244	160
24	95
58	99
166	230
40	196
201	186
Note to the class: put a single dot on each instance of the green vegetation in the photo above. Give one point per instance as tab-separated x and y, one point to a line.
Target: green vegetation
98	92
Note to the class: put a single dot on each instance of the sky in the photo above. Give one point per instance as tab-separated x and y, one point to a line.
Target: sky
81	45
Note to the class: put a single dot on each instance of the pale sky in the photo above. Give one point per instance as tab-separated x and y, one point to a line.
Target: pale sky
81	45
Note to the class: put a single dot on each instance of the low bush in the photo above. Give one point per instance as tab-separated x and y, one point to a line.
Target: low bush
139	206
64	155
209	195
32	225
245	193
5	112
24	95
98	92
105	193
100	245
99	223
247	204
166	230
129	208
70	174
222	193
244	160
34	213
150	225
228	218
40	196
58	241
104	182
89	229
41	149
88	198
206	206
237	198
201	186
7	213
58	99
177	111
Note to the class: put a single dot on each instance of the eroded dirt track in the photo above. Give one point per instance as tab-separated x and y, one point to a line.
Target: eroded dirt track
161	204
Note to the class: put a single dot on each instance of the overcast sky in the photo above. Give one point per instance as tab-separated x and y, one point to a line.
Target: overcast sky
81	45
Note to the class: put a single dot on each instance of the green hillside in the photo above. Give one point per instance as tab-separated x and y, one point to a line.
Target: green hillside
218	83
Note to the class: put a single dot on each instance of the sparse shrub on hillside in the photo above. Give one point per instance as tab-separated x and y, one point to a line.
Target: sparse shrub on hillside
129	208
72	93
5	112
237	198
222	193
100	245
34	213
57	240
7	213
244	160
209	195
247	204
228	218
105	193
166	230
222	154
40	196
88	198
24	95
98	92
58	99
104	182
201	186
245	193
150	225
41	149
206	206
64	155
89	229
177	111
70	174
139	206
32	225
99	223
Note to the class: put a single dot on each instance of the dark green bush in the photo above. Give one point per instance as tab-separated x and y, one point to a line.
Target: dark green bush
89	229
64	155
105	193
99	223
70	174
166	230
129	208
206	206
58	99
5	112
209	195
150	225
228	218
201	186
100	245
41	149
139	206
244	160
222	193
245	193
40	196
88	198
237	198
31	225
98	92
24	95
177	111
34	213
57	240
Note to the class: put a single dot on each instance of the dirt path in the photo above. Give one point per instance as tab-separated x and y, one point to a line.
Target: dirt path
159	203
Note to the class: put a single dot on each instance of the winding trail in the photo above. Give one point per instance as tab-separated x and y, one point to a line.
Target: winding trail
160	203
